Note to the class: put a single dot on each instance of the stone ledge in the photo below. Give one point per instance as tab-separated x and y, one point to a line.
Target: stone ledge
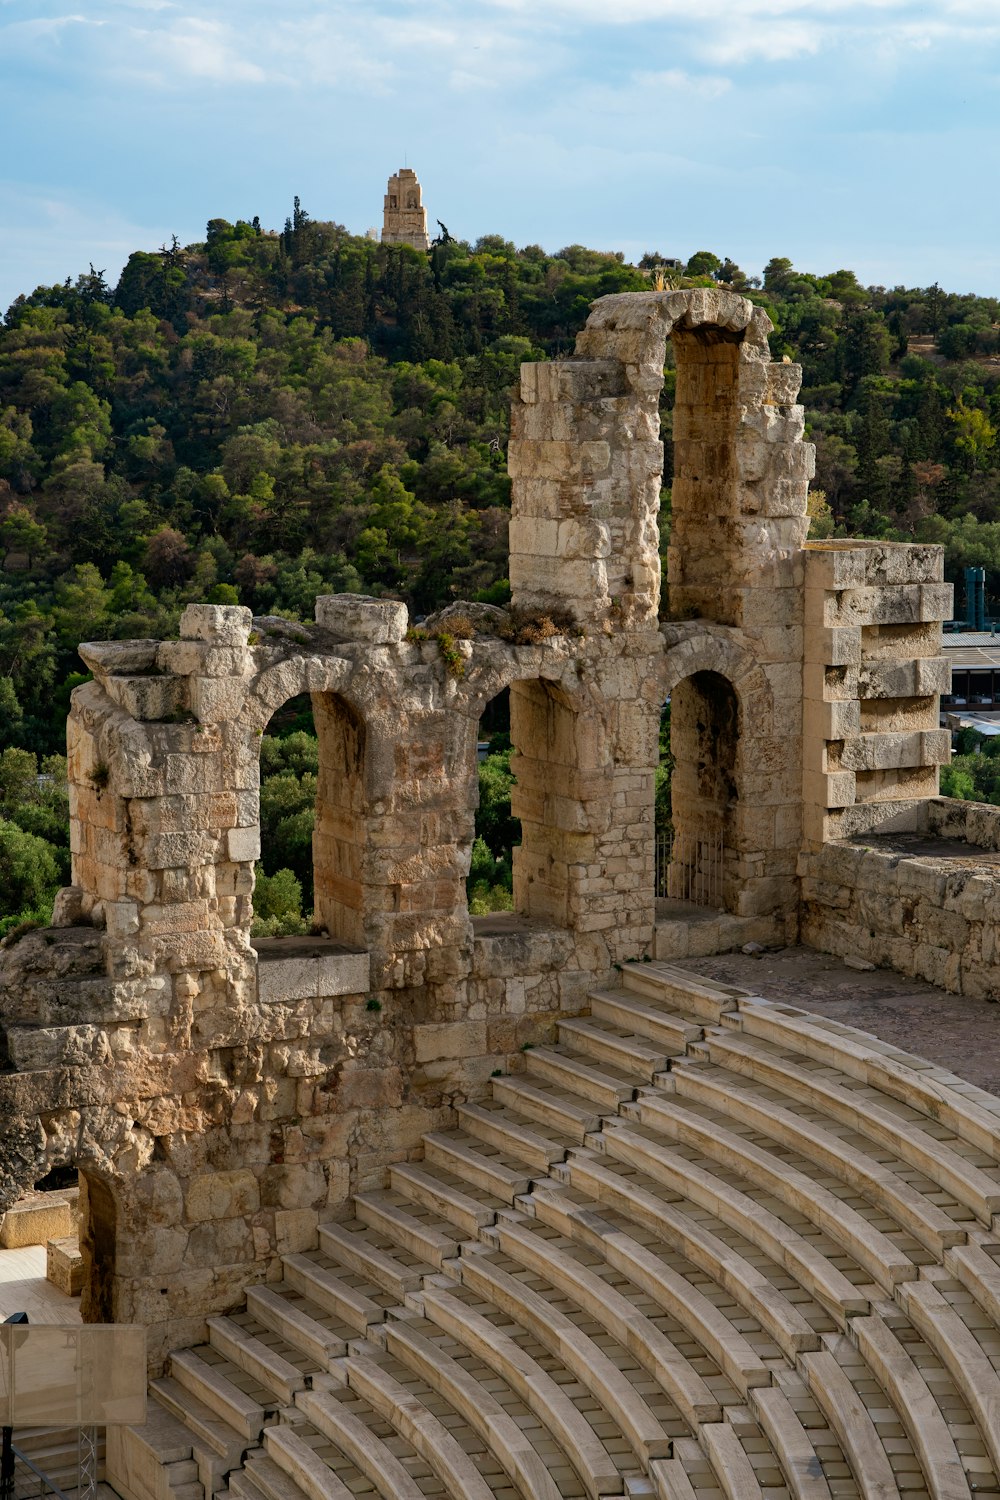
309	968
507	945
36	1220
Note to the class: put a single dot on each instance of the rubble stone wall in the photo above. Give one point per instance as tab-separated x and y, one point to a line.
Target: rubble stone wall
933	914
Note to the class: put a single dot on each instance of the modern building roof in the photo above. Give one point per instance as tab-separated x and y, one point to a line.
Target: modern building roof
972	648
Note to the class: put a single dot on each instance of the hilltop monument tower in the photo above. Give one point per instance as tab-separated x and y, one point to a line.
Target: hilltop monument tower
405	219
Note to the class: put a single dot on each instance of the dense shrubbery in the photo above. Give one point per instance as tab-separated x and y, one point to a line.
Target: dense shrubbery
261	418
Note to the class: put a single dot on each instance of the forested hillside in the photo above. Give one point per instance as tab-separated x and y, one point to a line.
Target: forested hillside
261	418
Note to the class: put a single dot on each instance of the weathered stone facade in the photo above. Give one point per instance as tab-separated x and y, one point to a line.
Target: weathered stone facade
219	1098
404	216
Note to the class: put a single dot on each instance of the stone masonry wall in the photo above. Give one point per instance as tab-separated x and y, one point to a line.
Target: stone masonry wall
933	914
872	675
221	1097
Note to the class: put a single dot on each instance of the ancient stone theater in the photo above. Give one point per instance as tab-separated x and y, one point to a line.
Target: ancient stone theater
532	1205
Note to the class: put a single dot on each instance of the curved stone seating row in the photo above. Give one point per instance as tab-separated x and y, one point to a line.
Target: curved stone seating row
703	1246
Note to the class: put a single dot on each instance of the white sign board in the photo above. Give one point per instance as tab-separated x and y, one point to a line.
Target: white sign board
90	1375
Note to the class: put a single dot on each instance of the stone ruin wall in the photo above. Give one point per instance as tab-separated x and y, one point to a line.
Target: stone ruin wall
220	1103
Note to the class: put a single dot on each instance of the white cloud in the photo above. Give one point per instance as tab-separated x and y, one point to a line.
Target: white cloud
199	49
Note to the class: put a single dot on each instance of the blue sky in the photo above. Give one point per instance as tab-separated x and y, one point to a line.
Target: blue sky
839	134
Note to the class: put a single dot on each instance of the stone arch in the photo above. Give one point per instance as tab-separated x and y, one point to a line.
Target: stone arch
698	646
560	794
733	810
343	795
587	462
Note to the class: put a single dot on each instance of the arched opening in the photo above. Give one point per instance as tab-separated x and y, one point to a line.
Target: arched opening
284	889
490	882
703	474
339	835
697	802
312	815
98	1245
552	766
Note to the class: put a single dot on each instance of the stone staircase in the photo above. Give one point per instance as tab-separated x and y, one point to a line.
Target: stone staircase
703	1243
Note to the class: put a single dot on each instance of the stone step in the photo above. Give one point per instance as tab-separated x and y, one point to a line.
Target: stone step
253	1356
962	1108
801	1465
294	1323
864	1112
558	1109
730	1462
422	1429
331	1292
212	1385
475	1163
880	1183
241	1487
851	1424
885	1263
611	1309
534	1385
358	1253
607	1087
600	1373
208	1430
675	989
641	1202
502	1433
291	1465
963	1356
360	1444
678	1297
429	1186
670	1481
823	1280
636	1015
917	1409
147	1461
384	1214
611	1044
503	1129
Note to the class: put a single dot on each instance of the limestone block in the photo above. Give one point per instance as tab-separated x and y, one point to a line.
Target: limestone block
243	843
67	908
199	659
148	697
222	1195
64	1265
216	700
837	789
355	617
288	979
900	562
296	1230
121	920
218	624
834	565
837	646
106	658
448	1040
35	1221
783	383
572	380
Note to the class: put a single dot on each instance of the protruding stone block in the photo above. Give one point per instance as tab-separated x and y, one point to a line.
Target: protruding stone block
67	909
64	1265
219	624
355	617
